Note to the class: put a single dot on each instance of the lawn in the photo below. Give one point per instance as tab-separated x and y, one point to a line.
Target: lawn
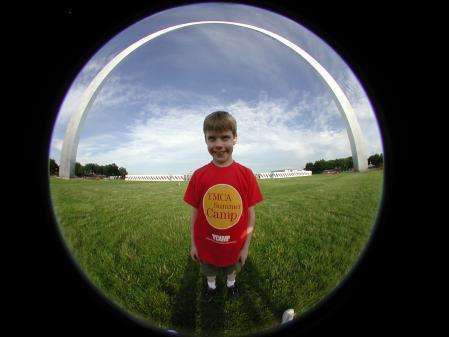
132	241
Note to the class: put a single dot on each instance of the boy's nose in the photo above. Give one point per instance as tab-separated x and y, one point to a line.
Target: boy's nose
218	144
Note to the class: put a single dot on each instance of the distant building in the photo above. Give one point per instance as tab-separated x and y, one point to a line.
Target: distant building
284	173
332	171
287	171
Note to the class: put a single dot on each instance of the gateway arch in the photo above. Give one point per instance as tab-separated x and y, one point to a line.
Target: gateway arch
71	138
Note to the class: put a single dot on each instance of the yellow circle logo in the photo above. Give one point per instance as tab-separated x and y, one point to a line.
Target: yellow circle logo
222	205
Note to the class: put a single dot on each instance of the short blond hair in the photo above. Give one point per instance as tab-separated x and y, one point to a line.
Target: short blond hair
220	121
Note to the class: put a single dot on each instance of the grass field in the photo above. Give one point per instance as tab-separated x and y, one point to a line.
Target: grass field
132	240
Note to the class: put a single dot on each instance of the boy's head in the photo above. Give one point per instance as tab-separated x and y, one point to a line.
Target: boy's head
220	133
220	121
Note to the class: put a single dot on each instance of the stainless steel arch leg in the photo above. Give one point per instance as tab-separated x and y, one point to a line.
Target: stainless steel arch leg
71	139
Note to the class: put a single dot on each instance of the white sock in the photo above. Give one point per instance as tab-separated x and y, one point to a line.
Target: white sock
212	284
230	283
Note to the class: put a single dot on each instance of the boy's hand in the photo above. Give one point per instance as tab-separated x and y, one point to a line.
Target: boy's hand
194	253
243	255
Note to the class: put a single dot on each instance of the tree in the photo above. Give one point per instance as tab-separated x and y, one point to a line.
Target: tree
348	164
89	169
111	170
95	169
107	170
114	170
309	167
376	160
341	164
330	164
122	172
79	170
99	170
53	167
319	166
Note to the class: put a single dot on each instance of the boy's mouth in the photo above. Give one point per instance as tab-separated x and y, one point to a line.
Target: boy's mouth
219	153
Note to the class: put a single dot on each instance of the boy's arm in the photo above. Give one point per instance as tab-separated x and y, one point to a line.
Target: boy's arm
251	223
193	251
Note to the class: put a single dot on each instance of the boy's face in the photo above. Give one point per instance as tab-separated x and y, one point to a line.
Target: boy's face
220	146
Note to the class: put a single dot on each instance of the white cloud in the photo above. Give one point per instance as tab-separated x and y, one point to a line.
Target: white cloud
270	142
166	136
169	139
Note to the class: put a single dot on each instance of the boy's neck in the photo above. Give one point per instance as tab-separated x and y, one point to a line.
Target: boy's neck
226	164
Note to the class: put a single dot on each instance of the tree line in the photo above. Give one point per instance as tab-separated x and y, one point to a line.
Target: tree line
341	164
91	169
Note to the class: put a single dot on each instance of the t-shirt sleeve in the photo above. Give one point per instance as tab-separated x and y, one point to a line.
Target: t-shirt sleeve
191	196
255	196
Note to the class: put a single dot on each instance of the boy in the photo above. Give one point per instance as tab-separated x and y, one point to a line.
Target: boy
222	194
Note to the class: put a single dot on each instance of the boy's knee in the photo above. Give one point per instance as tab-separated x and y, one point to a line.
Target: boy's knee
232	275
236	269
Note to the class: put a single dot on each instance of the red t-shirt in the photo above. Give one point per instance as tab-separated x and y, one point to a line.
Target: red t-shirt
222	196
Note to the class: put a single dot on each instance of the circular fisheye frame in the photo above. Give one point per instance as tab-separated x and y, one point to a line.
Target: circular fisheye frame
248	230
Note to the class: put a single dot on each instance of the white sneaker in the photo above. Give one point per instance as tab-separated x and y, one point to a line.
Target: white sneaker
288	315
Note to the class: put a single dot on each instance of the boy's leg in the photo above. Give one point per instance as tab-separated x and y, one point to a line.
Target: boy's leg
231	273
211	282
210	272
231	278
230	282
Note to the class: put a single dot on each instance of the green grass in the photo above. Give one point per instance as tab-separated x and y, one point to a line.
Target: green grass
132	240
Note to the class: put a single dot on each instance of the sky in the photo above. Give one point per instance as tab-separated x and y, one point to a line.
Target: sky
148	115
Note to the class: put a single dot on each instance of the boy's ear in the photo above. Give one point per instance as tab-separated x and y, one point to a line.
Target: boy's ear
234	141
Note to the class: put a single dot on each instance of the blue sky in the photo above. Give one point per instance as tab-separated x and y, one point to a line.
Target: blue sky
148	115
